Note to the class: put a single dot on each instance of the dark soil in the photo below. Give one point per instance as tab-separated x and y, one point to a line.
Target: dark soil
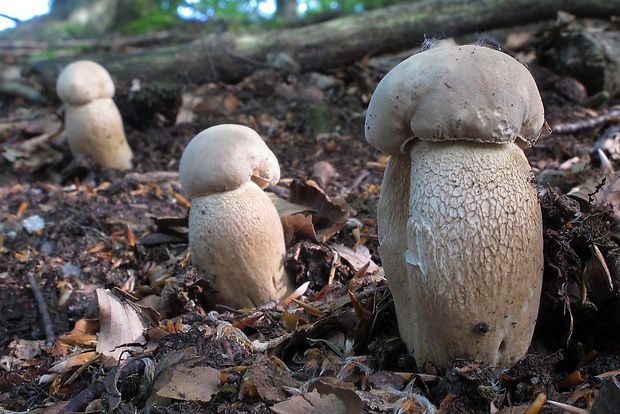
111	229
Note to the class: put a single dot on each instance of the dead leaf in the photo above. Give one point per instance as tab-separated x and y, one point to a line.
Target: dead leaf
191	383
24	349
72	362
323	173
167	366
286	208
121	326
298	227
358	258
331	214
313	403
269	378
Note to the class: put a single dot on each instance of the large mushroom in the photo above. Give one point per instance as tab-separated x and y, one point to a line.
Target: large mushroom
460	225
235	234
93	124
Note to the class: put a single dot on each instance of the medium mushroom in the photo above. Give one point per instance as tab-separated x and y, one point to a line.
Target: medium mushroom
93	124
460	225
235	234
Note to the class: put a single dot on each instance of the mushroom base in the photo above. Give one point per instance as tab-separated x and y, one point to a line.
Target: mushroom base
237	244
462	249
96	128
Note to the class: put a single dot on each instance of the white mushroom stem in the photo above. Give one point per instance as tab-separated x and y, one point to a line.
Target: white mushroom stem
471	283
237	243
96	128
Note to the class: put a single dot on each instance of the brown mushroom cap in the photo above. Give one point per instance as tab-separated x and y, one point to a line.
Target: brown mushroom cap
83	81
455	93
224	157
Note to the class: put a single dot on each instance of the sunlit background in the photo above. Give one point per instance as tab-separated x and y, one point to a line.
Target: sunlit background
24	10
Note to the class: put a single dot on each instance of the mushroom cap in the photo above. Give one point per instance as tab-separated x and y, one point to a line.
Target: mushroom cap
224	157
455	93
83	81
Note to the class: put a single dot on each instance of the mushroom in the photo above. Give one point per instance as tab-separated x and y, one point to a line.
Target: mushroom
460	227
235	234
93	124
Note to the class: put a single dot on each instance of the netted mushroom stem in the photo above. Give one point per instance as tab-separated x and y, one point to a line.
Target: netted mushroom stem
470	234
237	244
102	136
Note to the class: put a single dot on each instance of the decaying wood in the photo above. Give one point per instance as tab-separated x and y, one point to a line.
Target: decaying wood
19	48
592	57
231	56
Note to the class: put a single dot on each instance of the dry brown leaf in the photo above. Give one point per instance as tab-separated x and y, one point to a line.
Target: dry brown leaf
72	362
323	173
309	194
191	383
298	226
269	379
82	335
24	349
358	258
314	403
167	366
121	326
287	208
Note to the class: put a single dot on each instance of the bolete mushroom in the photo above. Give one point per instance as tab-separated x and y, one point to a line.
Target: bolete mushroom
460	225
235	234
93	124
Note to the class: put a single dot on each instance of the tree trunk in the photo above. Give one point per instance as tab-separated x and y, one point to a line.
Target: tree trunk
286	10
231	56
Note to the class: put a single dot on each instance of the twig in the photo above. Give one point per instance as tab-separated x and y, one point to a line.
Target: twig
356	183
104	386
50	337
13	19
83	227
586	123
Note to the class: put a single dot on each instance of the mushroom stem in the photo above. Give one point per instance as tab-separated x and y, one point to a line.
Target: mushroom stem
472	281
237	243
103	137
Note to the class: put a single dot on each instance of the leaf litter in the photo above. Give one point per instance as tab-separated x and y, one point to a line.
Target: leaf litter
112	263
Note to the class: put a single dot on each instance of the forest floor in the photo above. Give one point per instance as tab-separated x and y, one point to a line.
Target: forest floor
337	345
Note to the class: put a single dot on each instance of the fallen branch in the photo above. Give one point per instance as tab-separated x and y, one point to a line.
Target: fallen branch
50	336
108	385
572	127
326	45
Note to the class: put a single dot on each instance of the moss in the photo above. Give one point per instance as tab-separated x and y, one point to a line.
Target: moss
365	206
321	118
160	20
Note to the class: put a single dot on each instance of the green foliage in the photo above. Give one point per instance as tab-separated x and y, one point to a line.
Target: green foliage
161	19
244	11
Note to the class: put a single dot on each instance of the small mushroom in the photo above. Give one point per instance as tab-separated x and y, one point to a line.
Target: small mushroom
235	234
93	124
460	225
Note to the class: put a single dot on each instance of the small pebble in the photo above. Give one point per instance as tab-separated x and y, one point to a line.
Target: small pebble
33	224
